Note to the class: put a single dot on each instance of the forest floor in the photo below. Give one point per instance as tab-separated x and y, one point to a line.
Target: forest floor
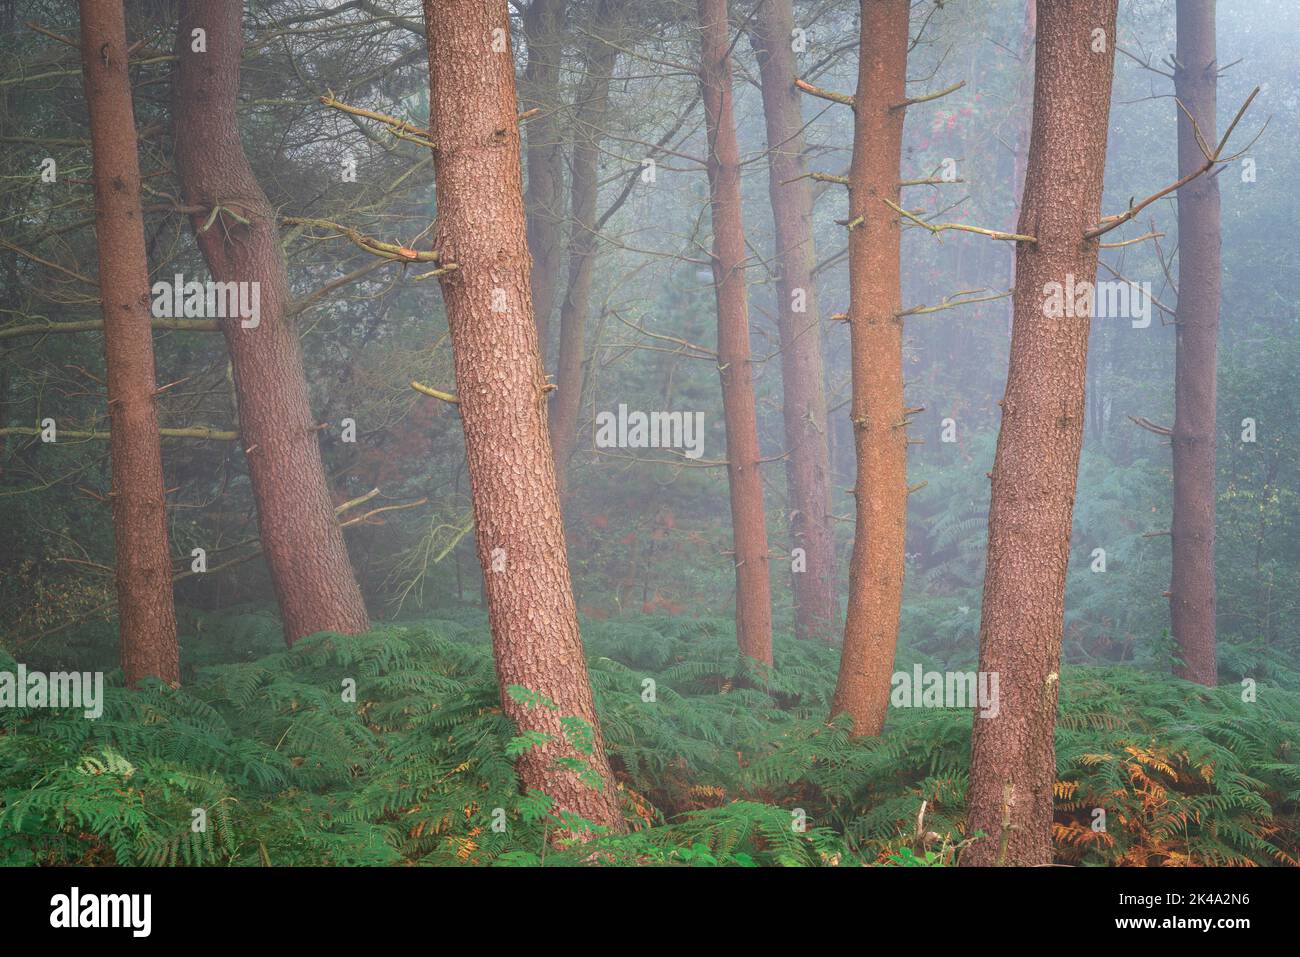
265	756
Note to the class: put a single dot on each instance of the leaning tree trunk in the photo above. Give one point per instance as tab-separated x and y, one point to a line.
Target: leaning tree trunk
1013	757
502	392
301	538
749	527
591	102
544	197
1191	592
876	330
798	323
146	614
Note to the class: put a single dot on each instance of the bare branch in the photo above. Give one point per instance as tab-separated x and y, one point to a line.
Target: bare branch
390	251
193	432
910	101
962	227
1211	160
1130	242
951	302
808	88
435	393
306	302
1150	426
92	325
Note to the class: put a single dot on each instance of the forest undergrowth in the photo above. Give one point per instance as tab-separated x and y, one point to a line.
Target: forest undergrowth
265	757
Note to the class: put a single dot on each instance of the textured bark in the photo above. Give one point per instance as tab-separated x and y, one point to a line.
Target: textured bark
877	407
301	539
544	198
816	613
1191	592
146	614
1037	462
499	379
590	105
749	528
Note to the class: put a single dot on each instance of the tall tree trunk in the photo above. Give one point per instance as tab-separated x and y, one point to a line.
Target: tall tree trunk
1021	115
146	614
749	527
301	538
499	379
798	323
1037	463
590	105
10	259
877	409
544	197
1191	592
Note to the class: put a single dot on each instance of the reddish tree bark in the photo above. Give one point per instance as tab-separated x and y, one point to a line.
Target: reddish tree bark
877	407
591	103
1037	462
301	538
501	387
749	527
146	614
544	196
816	612
1191	591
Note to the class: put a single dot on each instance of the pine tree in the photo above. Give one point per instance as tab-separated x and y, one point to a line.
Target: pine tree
1192	589
877	410
1035	470
146	613
480	231
816	613
237	232
749	528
